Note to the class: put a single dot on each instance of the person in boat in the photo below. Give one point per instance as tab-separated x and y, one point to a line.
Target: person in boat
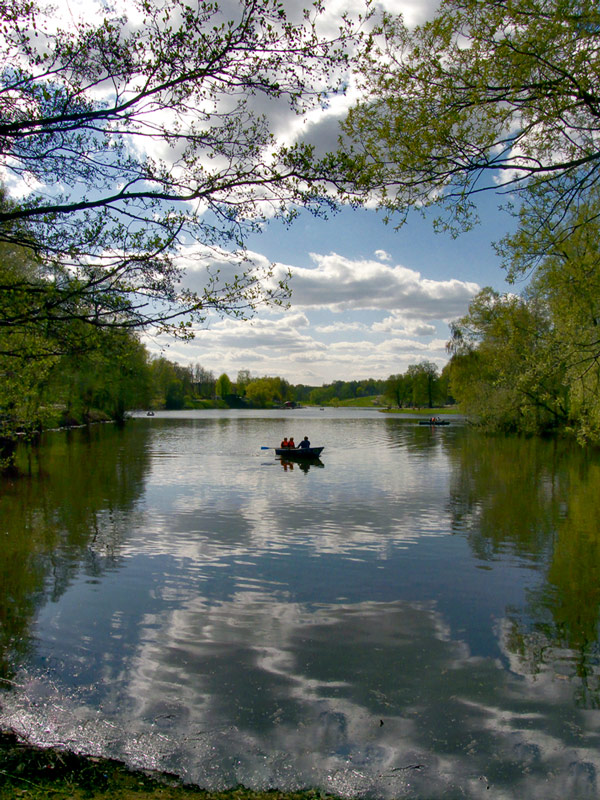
285	442
291	443
304	443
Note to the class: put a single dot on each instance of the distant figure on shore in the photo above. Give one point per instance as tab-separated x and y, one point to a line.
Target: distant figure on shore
304	443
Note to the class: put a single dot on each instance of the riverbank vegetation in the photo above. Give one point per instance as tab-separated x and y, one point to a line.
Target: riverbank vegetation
503	98
33	773
83	272
128	162
45	388
531	363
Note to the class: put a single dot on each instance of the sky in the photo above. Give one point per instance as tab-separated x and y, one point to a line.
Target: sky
367	300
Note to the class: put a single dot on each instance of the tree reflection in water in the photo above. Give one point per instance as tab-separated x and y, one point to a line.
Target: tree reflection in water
62	514
241	624
539	500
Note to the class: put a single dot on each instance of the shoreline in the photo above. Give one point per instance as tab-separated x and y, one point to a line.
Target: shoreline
30	772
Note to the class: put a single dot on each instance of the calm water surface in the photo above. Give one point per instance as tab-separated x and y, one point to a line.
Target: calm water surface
416	615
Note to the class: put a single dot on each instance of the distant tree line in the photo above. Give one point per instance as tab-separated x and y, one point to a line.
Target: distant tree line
43	384
84	266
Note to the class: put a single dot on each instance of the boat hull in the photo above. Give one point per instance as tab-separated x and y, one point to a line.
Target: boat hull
436	422
299	452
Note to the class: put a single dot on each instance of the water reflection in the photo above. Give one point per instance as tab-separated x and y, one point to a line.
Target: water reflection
67	513
419	619
303	464
540	500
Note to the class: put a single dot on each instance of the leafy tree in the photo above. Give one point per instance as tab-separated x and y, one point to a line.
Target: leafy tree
424	381
242	381
503	370
446	395
340	390
28	353
322	394
112	379
369	388
302	392
562	261
172	383
204	381
398	390
175	395
223	386
137	136
485	95
267	391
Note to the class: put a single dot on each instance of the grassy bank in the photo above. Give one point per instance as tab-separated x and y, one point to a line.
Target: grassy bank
31	773
372	401
381	404
423	412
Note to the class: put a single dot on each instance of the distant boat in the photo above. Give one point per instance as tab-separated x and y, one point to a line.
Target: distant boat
434	422
150	413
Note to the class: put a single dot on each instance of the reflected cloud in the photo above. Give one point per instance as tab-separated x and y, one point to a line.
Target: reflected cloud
251	691
401	623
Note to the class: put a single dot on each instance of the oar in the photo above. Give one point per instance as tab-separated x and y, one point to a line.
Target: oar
267	448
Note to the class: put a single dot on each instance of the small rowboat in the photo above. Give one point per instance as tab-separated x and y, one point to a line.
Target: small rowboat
299	452
434	422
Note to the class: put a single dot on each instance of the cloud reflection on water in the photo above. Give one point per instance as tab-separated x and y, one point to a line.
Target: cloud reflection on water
251	691
257	626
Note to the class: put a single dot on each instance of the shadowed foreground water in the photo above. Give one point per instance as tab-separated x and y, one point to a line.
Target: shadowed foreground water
416	615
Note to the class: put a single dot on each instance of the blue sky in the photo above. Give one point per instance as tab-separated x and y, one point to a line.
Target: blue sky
367	300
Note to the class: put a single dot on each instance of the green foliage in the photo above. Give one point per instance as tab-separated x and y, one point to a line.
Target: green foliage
505	370
174	396
500	96
112	379
481	96
60	372
398	390
532	363
204	382
242	381
223	386
171	382
420	386
173	148
564	262
340	391
268	391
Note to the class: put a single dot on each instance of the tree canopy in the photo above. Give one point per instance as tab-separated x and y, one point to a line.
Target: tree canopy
127	139
487	95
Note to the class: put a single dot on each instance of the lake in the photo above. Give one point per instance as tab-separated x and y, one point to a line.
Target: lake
415	615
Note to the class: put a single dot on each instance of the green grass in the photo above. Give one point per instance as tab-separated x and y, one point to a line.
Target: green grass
32	773
362	402
356	402
381	404
423	412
